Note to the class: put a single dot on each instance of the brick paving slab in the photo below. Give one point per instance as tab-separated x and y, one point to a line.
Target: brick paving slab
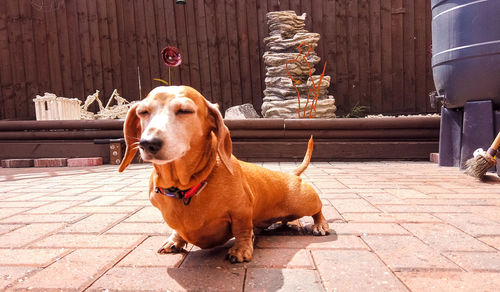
477	261
450	281
408	253
12	275
473	224
147	214
7	212
95	223
282	280
493	241
30	257
109	241
395	226
311	242
4	228
27	234
381	198
43	218
368	228
170	279
145	255
140	228
445	237
354	271
281	258
391	217
75	271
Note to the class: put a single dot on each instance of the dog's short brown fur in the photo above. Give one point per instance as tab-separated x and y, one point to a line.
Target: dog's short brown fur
196	146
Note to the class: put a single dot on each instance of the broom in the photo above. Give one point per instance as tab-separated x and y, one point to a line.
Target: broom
478	165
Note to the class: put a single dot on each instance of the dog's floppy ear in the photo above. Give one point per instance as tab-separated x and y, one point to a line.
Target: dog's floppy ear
224	143
132	133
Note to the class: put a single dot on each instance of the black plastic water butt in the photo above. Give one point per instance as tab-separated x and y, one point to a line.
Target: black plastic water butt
466	50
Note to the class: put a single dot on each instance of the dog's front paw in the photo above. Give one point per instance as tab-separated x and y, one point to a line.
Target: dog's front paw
171	246
239	254
321	228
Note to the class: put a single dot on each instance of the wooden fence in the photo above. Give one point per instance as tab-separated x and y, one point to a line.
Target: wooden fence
377	51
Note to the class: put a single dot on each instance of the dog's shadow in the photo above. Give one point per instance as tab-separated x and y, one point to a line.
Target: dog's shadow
278	251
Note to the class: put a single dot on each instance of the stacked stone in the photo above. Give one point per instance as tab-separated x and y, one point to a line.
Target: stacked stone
286	33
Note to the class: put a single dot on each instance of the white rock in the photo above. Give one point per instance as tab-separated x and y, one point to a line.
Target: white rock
244	111
289	108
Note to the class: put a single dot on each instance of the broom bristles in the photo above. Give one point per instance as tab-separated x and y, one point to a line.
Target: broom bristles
478	165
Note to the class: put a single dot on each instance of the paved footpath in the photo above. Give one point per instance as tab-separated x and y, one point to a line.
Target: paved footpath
397	226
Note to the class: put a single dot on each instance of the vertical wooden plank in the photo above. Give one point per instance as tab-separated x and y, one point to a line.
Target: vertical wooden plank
123	46
234	61
409	57
2	106
203	53
330	44
263	33
41	52
142	47
17	66
375	58
130	49
224	62
273	5
172	39
246	84
161	41
255	59
318	27
74	50
306	6
364	53
397	56
213	51
386	36
56	82
115	51
29	57
428	63
192	46
353	52
420	57
295	5
342	101
181	32
84	37
8	94
107	69
95	49
284	5
152	46
64	50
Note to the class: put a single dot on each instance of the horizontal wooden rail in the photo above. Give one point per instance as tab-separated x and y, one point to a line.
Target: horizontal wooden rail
257	139
254	124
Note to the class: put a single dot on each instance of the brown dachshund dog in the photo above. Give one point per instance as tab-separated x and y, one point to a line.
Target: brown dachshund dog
203	192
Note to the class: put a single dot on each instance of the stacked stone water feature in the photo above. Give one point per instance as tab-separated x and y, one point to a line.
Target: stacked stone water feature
286	33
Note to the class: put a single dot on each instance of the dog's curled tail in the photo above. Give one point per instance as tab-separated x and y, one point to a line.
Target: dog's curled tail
307	158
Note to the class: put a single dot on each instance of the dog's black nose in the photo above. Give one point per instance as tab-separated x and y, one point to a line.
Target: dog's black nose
152	146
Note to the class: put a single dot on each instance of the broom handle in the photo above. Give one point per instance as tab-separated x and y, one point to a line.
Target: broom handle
496	143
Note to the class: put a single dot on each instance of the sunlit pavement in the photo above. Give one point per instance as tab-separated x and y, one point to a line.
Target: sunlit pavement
396	226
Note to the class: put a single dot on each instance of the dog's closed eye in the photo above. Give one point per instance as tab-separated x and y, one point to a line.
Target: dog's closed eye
184	111
143	113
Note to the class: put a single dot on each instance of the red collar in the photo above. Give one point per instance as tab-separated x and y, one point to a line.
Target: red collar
184	195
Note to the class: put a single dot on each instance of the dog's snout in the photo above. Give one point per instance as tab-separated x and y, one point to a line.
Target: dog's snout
151	145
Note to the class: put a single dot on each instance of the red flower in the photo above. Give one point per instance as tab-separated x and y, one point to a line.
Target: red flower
171	56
